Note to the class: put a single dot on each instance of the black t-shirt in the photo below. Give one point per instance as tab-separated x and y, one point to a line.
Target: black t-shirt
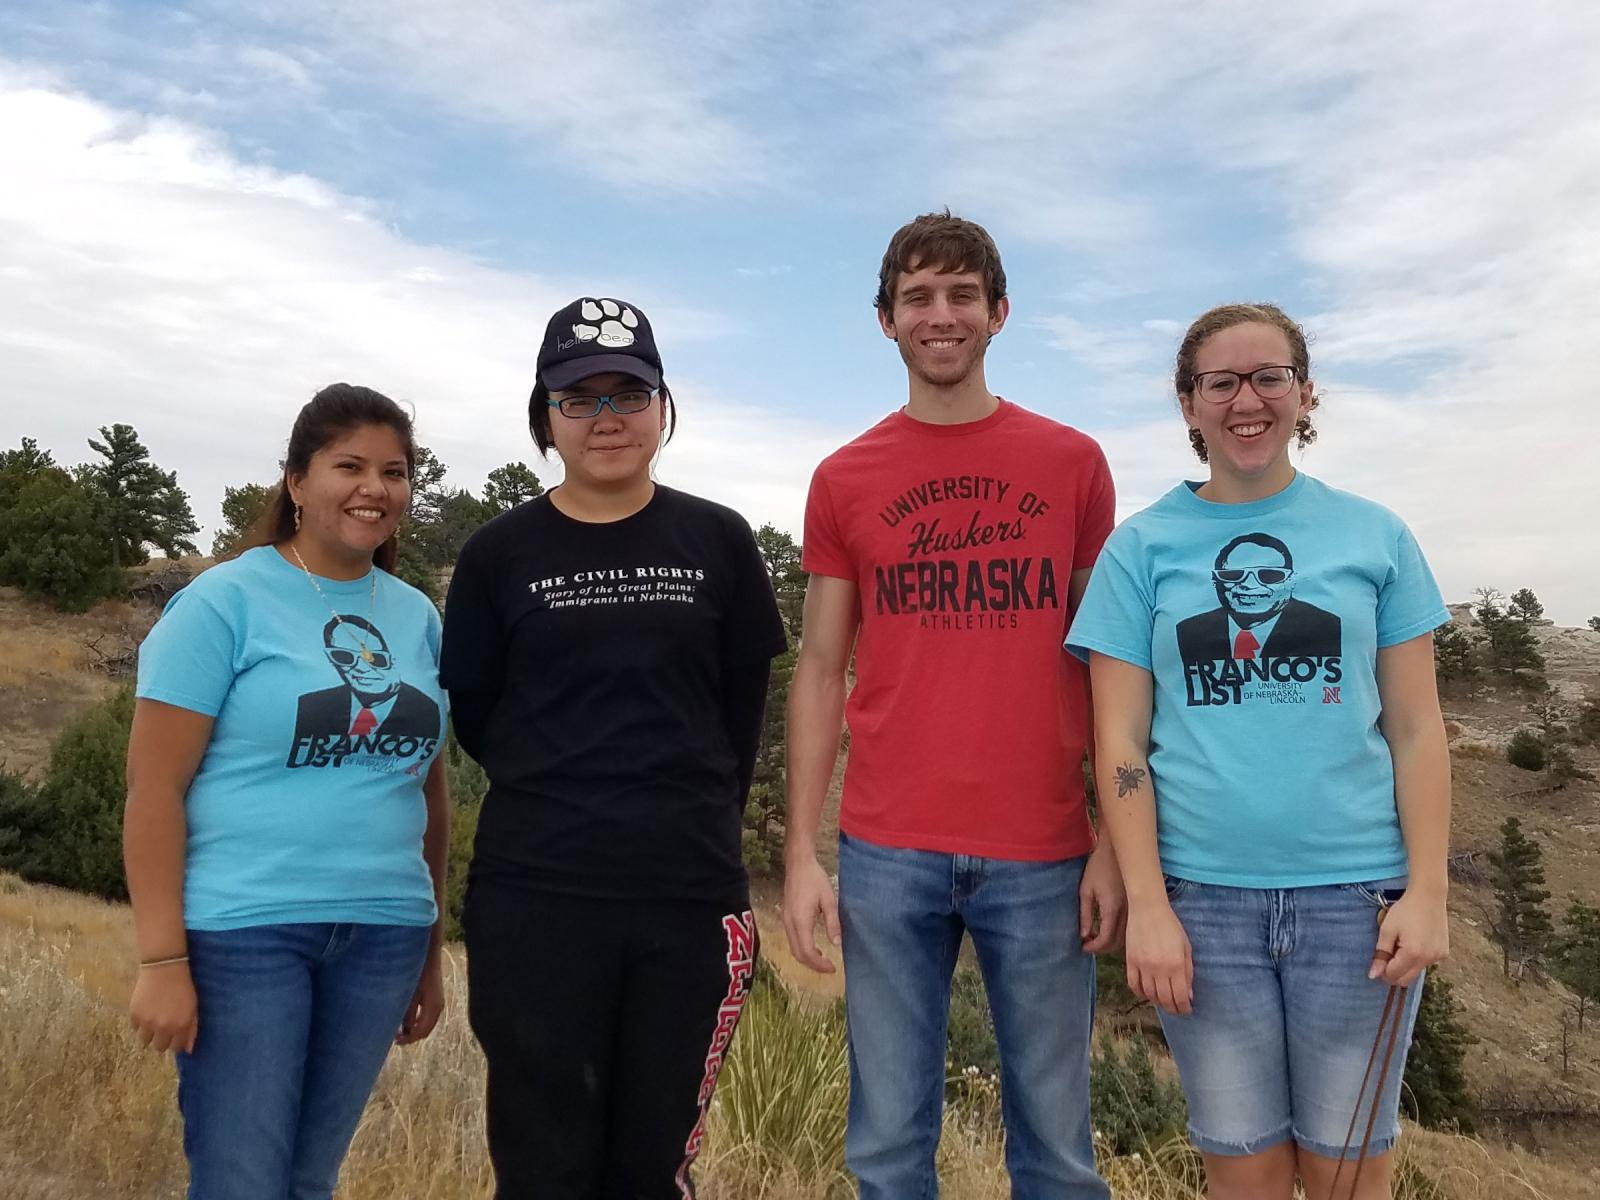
597	657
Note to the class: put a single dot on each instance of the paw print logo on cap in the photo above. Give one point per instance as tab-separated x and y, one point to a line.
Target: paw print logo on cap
614	323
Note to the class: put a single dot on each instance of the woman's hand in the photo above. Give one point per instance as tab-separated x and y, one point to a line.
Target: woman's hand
1414	934
163	1010
1160	965
427	1005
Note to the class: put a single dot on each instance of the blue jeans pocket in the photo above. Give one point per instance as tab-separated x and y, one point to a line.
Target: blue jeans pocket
1175	886
1380	893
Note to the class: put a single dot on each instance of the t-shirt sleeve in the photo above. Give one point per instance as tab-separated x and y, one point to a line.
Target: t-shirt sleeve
1098	514
191	657
1409	601
1117	612
753	630
469	656
822	550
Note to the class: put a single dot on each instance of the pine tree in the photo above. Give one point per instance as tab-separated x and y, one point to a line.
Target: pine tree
1521	924
1435	1078
1453	646
1525	606
27	460
1555	736
428	492
143	504
1508	631
767	810
782	557
509	486
1577	956
240	507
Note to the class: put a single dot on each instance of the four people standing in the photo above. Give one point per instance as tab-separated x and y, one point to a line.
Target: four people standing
606	650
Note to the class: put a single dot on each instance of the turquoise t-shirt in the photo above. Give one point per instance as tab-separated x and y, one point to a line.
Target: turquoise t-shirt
1260	624
307	805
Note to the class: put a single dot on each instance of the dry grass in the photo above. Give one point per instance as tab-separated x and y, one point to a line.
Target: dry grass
46	671
85	1113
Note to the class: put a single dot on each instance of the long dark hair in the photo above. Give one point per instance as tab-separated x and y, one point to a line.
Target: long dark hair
333	412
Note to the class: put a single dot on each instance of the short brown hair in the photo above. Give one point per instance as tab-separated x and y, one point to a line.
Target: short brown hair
945	243
1225	316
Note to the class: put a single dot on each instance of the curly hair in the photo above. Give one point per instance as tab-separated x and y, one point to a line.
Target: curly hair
1226	316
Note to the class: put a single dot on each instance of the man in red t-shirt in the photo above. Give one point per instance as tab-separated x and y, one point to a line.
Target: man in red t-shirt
948	547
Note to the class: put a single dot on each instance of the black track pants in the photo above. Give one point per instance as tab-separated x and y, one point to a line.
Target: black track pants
604	1023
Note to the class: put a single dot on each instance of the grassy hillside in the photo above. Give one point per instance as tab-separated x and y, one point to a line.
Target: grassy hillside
82	1114
86	1113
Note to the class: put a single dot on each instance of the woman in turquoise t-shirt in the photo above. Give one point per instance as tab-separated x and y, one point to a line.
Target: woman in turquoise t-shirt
287	817
1273	771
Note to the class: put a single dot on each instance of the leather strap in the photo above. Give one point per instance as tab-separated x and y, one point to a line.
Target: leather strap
1394	1011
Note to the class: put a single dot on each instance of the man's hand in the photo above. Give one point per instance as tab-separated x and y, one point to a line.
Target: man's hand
807	892
1101	896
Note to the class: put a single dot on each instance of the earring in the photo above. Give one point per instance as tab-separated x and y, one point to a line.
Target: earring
297	518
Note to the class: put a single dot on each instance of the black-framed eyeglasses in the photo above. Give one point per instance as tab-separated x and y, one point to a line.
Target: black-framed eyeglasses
349	658
622	403
1266	576
1270	383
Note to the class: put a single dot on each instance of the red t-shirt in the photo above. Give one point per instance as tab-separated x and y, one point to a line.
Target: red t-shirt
968	720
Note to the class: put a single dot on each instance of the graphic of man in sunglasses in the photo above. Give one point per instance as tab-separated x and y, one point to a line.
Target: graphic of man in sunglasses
1259	617
373	711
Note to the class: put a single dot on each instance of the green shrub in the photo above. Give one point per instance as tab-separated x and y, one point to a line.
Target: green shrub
1435	1091
69	831
1114	999
785	1086
972	1040
54	540
1132	1106
16	812
468	786
1526	750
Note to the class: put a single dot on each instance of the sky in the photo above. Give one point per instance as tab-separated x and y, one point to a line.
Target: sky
210	210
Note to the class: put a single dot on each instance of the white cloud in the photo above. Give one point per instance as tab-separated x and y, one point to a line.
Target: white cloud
150	277
1110	350
1433	169
277	67
634	94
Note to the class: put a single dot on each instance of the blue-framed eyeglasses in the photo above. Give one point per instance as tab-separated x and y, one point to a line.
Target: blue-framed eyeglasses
622	403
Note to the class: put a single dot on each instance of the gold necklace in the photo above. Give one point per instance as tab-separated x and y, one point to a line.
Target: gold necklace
372	601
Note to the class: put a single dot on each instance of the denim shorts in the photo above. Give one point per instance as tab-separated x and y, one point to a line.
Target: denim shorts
1284	1016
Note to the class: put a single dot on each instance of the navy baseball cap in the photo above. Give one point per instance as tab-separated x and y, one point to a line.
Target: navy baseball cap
596	336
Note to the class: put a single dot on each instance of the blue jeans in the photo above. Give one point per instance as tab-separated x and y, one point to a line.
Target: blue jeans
1284	1016
903	913
295	1022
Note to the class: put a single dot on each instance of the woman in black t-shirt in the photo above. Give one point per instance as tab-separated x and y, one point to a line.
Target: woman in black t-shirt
606	650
